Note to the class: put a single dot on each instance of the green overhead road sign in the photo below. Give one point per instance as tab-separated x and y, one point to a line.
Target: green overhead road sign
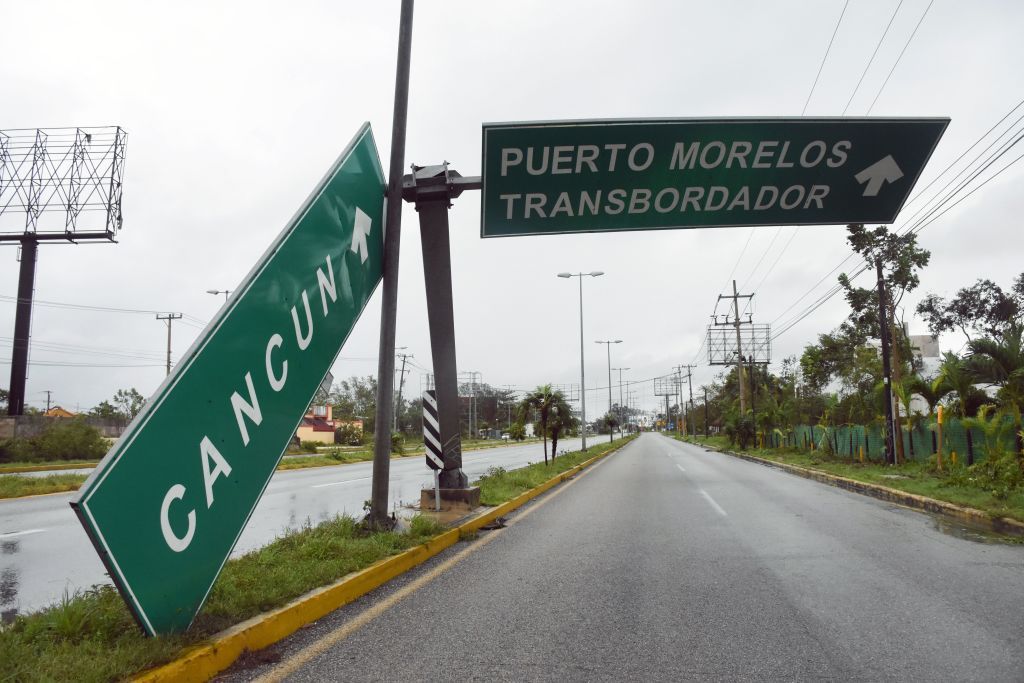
167	504
596	176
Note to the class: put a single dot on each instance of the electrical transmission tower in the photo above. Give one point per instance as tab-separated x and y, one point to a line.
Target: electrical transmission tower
746	342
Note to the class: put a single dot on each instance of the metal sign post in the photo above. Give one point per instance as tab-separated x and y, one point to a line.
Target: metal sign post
167	504
432	188
595	176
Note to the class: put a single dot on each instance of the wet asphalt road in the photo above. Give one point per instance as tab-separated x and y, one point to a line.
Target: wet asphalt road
667	562
44	551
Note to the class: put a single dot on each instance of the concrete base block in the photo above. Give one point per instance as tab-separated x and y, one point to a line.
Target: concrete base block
452	499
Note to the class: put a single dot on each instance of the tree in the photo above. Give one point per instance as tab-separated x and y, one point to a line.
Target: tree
129	402
1000	362
355	398
956	374
3	398
560	421
901	259
540	401
107	410
983	309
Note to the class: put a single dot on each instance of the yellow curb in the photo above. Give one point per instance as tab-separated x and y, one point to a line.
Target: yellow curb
963	513
44	468
205	661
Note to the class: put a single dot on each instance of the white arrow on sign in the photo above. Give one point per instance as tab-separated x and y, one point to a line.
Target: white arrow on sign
877	174
359	232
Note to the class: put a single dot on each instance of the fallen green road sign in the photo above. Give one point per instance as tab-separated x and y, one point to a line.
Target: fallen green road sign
595	176
168	503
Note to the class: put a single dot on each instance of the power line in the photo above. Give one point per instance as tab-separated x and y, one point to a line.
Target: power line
900	56
92	307
915	229
873	54
920	193
823	59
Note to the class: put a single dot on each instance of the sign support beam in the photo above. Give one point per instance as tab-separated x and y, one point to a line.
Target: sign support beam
22	326
431	189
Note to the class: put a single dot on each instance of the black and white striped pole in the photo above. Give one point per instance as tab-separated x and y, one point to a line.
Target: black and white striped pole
432	441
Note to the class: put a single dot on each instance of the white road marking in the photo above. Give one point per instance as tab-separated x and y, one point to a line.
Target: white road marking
26	532
711	501
680	467
338	483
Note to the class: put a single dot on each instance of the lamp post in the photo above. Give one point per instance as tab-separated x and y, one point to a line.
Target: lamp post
620	370
583	383
215	292
608	347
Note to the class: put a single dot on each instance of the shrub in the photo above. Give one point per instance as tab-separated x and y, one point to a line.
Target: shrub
310	446
70	440
17	450
348	435
396	443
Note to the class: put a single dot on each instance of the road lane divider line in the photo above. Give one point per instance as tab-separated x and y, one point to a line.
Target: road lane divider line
711	501
298	660
681	468
26	532
338	483
216	654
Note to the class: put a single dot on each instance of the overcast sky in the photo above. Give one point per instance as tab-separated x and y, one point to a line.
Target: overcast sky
235	110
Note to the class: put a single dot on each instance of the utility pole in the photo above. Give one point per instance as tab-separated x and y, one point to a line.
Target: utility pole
689	383
679	397
168	318
736	296
883	324
608	346
401	383
389	287
706	431
48	392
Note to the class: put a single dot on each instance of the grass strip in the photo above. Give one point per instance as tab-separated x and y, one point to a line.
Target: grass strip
16	485
953	485
90	636
499	485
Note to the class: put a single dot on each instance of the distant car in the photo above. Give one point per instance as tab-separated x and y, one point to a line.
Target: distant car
506	436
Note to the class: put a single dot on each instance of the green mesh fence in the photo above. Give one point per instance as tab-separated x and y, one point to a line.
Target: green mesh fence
920	441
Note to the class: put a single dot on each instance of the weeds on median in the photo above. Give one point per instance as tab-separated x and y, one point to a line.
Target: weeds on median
90	636
500	485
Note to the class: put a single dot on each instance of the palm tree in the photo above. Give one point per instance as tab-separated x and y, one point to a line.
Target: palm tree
560	421
932	391
1001	362
541	400
957	375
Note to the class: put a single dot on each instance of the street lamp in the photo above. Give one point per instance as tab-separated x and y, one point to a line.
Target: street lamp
608	347
583	383
620	395
215	292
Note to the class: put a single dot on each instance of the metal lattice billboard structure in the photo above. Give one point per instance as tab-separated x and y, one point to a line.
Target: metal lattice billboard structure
55	184
665	386
61	183
755	343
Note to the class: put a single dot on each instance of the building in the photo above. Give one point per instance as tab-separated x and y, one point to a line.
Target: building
58	411
318	424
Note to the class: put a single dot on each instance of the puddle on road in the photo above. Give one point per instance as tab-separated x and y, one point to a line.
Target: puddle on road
970	533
